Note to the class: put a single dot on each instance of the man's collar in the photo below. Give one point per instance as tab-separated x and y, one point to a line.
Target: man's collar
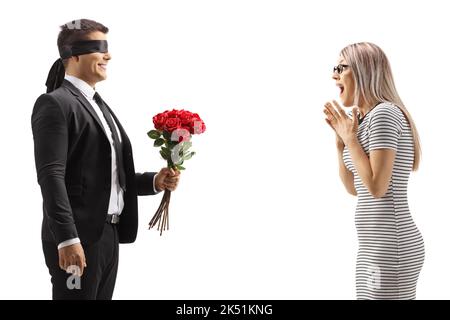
81	85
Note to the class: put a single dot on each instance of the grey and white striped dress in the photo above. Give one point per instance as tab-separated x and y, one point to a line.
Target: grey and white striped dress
391	250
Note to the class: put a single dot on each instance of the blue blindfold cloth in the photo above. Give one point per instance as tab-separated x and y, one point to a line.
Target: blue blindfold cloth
57	71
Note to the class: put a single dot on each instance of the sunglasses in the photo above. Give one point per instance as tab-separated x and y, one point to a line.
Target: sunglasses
340	68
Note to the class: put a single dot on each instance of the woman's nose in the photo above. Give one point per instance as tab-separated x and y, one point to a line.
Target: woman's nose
107	56
335	76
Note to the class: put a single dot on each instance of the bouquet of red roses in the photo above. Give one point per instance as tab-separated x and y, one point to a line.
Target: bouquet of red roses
172	133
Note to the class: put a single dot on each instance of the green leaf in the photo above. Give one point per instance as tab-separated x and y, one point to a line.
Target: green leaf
165	149
165	157
189	155
167	135
166	152
154	134
180	167
158	142
186	145
172	144
180	161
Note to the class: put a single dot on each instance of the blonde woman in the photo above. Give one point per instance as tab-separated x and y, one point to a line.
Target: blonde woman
378	146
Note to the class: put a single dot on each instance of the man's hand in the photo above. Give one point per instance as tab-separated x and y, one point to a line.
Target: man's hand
71	256
167	179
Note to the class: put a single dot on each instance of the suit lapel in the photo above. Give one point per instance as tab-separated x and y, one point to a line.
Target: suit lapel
125	140
80	97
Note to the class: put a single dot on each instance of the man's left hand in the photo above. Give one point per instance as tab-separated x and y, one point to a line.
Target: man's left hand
167	179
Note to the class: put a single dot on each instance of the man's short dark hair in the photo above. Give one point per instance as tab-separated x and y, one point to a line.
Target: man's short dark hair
77	30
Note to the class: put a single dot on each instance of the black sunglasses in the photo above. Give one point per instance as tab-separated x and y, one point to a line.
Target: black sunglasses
340	68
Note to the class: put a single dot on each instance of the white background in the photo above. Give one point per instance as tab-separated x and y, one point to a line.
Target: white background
260	212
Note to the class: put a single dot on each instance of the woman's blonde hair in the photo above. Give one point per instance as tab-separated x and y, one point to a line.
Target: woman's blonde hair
374	82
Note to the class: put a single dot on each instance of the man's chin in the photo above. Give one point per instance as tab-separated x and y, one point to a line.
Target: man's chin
101	77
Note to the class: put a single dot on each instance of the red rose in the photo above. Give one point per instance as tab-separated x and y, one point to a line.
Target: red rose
172	114
197	126
181	134
186	118
159	121
172	124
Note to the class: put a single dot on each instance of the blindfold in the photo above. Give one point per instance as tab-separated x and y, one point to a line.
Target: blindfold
57	71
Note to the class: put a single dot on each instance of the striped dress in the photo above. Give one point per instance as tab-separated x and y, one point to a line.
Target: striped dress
391	250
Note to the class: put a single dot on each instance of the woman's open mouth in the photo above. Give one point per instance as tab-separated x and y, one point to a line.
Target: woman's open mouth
341	89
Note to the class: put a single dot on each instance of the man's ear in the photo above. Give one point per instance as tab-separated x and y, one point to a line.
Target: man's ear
74	59
72	63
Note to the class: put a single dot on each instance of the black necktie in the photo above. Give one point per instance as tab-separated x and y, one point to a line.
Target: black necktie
115	137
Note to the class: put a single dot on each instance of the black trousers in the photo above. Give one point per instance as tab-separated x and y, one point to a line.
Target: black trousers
99	277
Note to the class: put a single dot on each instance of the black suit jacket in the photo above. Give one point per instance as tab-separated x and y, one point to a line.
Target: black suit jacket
73	163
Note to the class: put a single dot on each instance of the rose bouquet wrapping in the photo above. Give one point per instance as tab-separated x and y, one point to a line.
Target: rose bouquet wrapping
172	134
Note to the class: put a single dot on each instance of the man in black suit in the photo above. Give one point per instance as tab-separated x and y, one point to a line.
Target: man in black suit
85	169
